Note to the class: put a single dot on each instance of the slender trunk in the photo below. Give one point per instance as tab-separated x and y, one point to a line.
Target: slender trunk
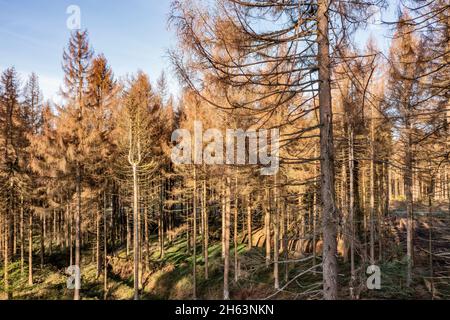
194	233
161	220
14	229
22	238
135	234
344	207
6	254
276	237
30	248
286	242
127	217
42	251
249	223
78	234
267	225
105	250
372	189
139	228
223	219
188	229
206	228
315	210
351	163
53	238
97	244
235	232
430	234
70	237
146	237
329	216
409	207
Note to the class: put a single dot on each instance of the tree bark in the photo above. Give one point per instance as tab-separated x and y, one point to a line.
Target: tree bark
276	237
22	237
135	234
267	225
194	233
105	249
206	228
249	223
30	248
226	289
409	205
329	220
78	233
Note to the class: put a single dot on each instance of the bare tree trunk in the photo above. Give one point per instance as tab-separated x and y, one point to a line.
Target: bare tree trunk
78	232
344	207
6	253
139	228
42	251
14	229
267	225
430	232
329	220
97	243
188	229
226	290
70	236
249	223
206	228
223	219
105	249
161	220
127	214
30	248
276	237
194	233
2	236
286	242
315	210
146	237
135	234
235	232
22	238
351	165
372	189
409	207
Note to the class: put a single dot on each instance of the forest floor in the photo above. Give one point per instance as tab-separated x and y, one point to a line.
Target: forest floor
170	277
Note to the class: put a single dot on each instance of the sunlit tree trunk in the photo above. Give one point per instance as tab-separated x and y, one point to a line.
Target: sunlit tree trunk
30	248
226	289
6	253
135	233
77	230
105	249
409	204
97	243
206	228
22	237
42	242
249	223
267	225
276	236
194	234
351	170
329	215
235	232
372	188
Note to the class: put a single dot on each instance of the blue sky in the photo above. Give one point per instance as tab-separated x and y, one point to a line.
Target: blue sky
132	34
